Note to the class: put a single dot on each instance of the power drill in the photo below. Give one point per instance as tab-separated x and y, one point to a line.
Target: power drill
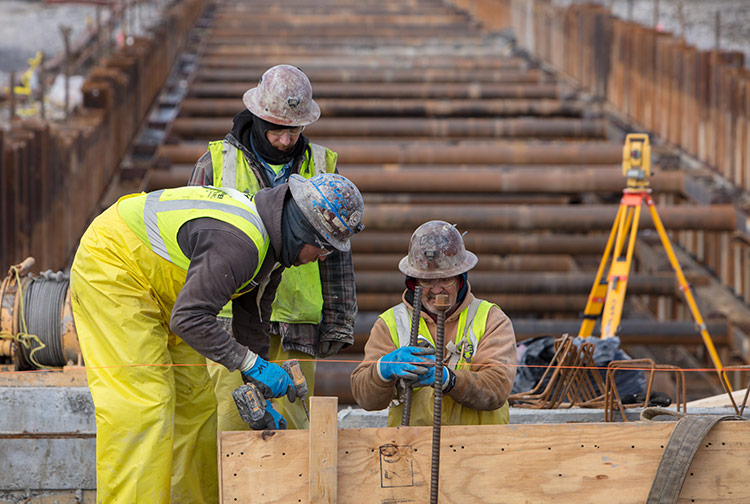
252	405
298	379
252	408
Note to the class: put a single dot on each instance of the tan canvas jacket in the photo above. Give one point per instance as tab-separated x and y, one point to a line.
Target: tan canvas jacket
485	386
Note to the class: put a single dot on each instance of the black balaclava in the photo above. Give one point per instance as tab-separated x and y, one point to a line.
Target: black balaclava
295	232
263	147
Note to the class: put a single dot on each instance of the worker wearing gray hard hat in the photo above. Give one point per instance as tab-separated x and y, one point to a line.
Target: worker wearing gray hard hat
480	346
315	306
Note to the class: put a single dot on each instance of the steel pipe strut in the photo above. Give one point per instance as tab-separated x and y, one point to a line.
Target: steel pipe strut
483	242
191	128
472	90
288	32
511	303
406	107
337	74
465	180
542	217
662	284
441	152
465	63
487	262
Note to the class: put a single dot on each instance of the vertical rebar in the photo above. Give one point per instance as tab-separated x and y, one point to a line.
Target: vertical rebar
413	340
717	28
630	10
656	14
12	95
42	89
65	30
441	305
99	37
681	17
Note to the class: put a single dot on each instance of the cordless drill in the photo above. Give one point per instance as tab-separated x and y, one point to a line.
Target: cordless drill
298	379
252	405
252	408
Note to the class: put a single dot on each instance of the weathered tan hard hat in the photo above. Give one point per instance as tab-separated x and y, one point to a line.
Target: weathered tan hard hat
436	250
284	97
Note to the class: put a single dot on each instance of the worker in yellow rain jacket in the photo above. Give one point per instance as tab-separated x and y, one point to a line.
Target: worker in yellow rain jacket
480	346
148	280
315	307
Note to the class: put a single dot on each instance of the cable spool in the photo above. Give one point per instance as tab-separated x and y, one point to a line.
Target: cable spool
43	305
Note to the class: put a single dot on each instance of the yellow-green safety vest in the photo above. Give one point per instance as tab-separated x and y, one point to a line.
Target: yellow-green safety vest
157	217
299	297
472	323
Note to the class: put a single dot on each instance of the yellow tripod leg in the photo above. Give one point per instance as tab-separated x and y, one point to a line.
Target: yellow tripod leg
598	292
619	271
685	288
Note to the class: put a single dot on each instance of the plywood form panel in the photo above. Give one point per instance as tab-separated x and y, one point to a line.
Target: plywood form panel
613	463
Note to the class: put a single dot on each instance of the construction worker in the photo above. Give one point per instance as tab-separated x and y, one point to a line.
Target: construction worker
480	346
315	306
148	280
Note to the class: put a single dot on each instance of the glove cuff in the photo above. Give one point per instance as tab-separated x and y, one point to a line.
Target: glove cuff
249	361
450	382
380	374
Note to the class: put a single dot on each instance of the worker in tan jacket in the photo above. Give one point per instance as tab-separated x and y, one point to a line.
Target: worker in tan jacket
480	346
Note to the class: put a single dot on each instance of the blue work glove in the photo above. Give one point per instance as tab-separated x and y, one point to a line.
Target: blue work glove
406	363
428	379
273	419
271	379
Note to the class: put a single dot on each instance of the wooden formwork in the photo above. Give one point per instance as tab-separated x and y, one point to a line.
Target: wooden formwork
561	463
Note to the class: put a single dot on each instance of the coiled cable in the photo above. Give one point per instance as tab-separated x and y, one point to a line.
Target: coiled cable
44	299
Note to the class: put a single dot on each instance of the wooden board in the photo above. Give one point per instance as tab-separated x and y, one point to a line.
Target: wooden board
323	452
718	401
65	377
561	463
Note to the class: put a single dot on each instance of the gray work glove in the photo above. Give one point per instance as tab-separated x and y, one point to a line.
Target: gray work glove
328	348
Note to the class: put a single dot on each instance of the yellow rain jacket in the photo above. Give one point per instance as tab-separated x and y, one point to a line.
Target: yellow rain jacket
154	404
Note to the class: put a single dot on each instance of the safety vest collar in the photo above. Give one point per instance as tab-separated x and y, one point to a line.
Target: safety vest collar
462	348
154	206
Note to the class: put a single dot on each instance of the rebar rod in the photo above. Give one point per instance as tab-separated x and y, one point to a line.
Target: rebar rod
413	338
441	305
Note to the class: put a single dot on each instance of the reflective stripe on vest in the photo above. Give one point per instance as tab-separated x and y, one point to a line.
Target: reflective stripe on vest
229	165
468	333
319	158
231	169
299	297
157	217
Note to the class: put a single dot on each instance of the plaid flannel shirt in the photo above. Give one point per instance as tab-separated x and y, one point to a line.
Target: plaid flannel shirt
336	277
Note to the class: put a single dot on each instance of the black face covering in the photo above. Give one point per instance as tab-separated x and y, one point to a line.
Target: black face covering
268	152
295	232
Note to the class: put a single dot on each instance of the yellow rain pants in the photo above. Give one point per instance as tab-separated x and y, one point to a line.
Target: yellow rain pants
154	406
225	382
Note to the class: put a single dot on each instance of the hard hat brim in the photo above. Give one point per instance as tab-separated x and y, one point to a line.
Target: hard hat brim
470	260
302	117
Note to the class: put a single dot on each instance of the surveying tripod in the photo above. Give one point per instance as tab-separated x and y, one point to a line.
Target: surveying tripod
607	298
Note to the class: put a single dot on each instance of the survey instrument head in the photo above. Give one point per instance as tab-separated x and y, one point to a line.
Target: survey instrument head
636	160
